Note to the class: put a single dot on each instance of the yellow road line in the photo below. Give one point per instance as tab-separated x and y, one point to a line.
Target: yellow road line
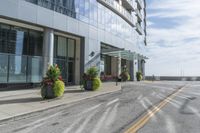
141	122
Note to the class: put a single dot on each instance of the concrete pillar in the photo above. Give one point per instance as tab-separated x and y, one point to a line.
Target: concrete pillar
48	48
132	70
119	65
143	69
135	68
114	66
77	62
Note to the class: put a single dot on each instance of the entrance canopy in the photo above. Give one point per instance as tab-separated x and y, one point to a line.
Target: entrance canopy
125	54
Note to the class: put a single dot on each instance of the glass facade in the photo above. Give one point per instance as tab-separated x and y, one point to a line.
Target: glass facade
64	56
20	55
93	13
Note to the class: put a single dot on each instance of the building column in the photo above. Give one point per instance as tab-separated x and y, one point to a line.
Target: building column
132	70
143	68
48	48
135	68
119	65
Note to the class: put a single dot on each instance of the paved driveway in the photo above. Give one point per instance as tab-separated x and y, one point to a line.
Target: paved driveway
110	113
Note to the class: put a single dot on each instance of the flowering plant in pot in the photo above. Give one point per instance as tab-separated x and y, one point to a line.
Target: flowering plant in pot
52	85
139	76
91	81
125	75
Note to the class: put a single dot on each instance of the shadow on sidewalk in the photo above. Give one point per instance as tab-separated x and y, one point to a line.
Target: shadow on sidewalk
21	100
33	99
74	91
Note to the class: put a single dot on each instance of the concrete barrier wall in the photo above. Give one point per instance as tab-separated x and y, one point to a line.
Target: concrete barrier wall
172	78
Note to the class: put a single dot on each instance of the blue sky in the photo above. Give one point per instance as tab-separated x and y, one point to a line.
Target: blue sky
173	29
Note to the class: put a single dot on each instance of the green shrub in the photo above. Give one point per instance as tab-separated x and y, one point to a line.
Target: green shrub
53	72
139	76
128	77
59	88
125	76
96	83
92	72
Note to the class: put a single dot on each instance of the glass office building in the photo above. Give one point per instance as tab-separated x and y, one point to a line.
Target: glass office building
75	34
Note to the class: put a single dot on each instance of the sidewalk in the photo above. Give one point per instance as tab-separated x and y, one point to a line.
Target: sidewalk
18	103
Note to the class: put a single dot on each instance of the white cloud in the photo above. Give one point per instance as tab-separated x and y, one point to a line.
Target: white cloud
175	50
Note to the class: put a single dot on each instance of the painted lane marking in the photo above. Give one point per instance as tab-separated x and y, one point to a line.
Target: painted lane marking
149	111
170	124
112	102
90	109
83	125
37	123
142	121
140	97
101	121
112	115
171	102
68	129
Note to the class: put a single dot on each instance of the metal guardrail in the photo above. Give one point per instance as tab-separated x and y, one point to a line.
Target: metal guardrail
172	78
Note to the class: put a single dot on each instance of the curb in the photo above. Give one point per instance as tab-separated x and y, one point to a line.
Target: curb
35	113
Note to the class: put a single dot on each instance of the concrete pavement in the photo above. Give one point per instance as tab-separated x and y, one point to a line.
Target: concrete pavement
15	104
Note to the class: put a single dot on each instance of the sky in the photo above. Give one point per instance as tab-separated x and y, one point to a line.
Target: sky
173	37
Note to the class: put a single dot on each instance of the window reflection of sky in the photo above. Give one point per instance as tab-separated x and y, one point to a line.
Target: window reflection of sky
94	13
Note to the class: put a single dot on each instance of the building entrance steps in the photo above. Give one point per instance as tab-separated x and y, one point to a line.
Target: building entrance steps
21	103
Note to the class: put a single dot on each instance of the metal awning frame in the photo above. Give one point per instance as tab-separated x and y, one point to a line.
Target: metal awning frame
125	54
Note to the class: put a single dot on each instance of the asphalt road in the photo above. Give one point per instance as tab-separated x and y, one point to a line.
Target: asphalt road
181	115
116	112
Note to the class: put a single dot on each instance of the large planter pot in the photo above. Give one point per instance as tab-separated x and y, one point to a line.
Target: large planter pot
139	78
88	85
47	92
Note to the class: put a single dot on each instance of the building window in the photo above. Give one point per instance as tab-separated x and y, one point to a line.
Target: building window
17	69
20	55
71	48
62	47
4	33
35	43
3	68
64	50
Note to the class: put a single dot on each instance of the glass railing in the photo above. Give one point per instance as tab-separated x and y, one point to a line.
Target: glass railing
20	68
140	3
138	14
139	29
120	10
128	4
55	6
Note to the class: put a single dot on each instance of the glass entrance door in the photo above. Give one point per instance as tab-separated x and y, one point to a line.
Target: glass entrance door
70	72
71	60
64	52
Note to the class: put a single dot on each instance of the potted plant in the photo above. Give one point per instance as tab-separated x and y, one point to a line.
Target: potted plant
52	85
125	75
139	76
91	81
